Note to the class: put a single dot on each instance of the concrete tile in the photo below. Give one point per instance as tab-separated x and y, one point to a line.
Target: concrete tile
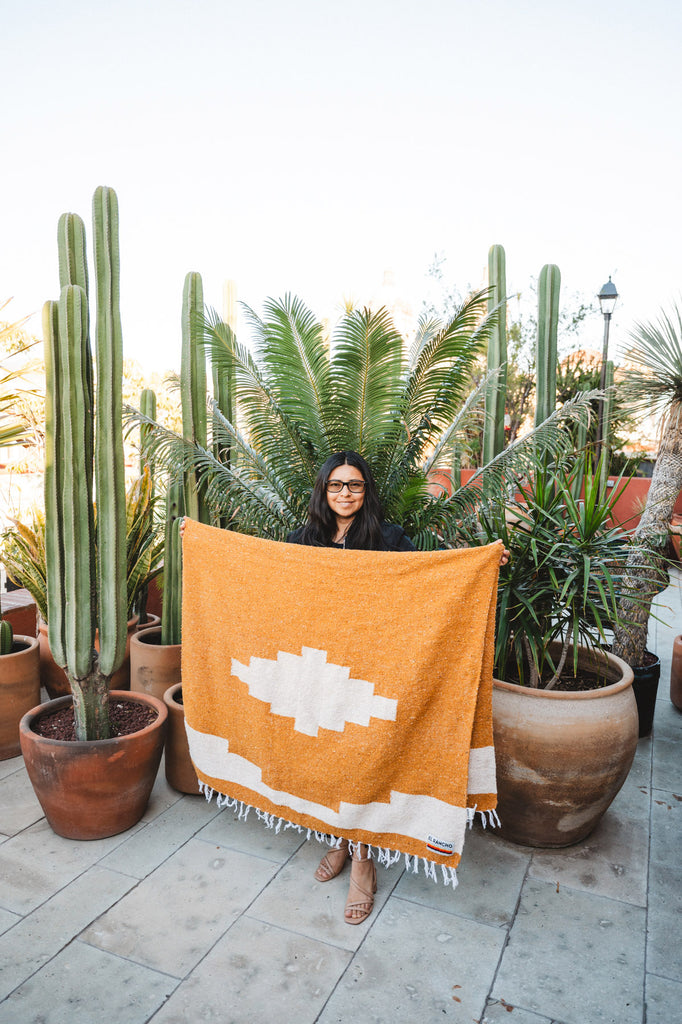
574	957
37	863
7	920
497	1013
297	902
663	1000
252	836
162	796
490	876
83	985
666	827
11	765
612	861
19	807
258	974
150	846
665	920
667	763
417	964
43	933
173	917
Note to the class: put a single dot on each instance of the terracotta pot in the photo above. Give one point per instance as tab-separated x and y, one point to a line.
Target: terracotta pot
180	772
153	666
55	679
19	690
676	674
149	623
562	757
97	788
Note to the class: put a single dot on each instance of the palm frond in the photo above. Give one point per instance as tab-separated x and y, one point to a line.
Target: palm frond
655	384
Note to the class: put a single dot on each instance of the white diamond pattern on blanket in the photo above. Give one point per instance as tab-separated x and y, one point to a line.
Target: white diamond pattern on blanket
315	693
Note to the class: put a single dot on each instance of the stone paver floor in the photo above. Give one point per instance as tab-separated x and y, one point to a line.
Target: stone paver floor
193	916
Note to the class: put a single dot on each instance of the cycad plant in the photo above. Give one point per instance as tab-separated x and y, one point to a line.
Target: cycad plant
301	396
655	386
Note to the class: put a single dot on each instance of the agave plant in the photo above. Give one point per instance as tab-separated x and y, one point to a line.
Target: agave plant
301	396
654	386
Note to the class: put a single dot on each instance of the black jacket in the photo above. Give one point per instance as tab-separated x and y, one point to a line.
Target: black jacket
395	538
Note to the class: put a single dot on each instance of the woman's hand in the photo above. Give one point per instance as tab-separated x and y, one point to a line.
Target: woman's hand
505	556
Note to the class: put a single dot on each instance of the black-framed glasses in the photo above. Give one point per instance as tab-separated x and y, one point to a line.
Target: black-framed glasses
354	486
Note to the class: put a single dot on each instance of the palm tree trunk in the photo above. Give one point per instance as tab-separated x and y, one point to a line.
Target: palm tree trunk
646	572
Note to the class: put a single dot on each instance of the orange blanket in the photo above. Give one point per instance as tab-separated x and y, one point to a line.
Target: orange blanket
344	692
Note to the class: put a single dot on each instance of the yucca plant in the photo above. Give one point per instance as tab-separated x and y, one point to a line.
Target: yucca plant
560	588
301	396
654	385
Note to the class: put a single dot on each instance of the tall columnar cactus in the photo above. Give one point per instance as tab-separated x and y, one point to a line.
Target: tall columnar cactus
546	347
608	414
193	386
171	614
148	409
493	432
224	387
86	590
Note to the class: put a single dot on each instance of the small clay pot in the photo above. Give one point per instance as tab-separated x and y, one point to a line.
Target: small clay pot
153	666
96	788
676	674
180	772
19	690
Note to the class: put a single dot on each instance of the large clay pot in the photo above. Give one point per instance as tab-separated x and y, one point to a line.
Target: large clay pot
97	788
19	690
562	757
153	666
180	772
55	679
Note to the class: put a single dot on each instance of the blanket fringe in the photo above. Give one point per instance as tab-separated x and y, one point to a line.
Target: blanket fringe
383	855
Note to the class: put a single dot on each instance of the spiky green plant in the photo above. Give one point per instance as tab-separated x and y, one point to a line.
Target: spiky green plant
654	386
86	583
302	397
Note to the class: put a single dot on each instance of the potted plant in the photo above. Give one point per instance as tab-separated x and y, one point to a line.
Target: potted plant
98	783
654	384
19	685
564	714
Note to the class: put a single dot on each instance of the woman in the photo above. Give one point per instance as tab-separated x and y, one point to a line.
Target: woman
345	512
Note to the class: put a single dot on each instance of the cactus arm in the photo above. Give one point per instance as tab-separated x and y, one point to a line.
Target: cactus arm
54	550
193	385
148	409
75	423
73	263
549	286
6	637
109	460
493	433
171	615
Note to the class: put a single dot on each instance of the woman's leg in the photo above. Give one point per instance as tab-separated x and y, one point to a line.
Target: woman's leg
332	863
363	885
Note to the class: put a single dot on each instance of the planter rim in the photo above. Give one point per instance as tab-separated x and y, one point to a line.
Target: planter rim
60	702
139	637
603	691
22	638
169	694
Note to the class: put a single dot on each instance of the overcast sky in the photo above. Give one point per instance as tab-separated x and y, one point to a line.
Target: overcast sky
309	146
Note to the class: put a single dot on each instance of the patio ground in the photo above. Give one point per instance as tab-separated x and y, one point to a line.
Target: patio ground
194	916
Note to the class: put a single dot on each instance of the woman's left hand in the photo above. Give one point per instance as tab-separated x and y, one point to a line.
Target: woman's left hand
505	556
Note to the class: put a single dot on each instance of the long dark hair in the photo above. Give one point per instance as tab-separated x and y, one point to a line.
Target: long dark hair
365	531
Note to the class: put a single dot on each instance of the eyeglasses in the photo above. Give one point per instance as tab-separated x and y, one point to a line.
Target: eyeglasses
354	486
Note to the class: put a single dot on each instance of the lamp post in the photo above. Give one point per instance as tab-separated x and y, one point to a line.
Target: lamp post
608	297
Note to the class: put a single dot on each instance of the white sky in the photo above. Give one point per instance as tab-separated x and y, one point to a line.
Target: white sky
308	146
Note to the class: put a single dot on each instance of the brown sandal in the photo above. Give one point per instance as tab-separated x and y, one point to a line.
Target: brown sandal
365	906
325	869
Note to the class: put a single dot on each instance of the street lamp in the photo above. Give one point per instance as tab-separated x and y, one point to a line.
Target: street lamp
608	296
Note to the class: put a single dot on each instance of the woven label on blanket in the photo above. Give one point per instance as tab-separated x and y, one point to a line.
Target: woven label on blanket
347	692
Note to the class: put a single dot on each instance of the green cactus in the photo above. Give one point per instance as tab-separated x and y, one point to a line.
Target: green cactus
193	386
148	409
493	433
546	347
6	637
171	613
86	590
608	415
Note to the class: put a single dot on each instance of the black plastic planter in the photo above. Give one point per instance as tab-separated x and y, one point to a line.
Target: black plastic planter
645	689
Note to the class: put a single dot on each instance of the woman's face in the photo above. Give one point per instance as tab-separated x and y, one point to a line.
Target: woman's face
345	503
